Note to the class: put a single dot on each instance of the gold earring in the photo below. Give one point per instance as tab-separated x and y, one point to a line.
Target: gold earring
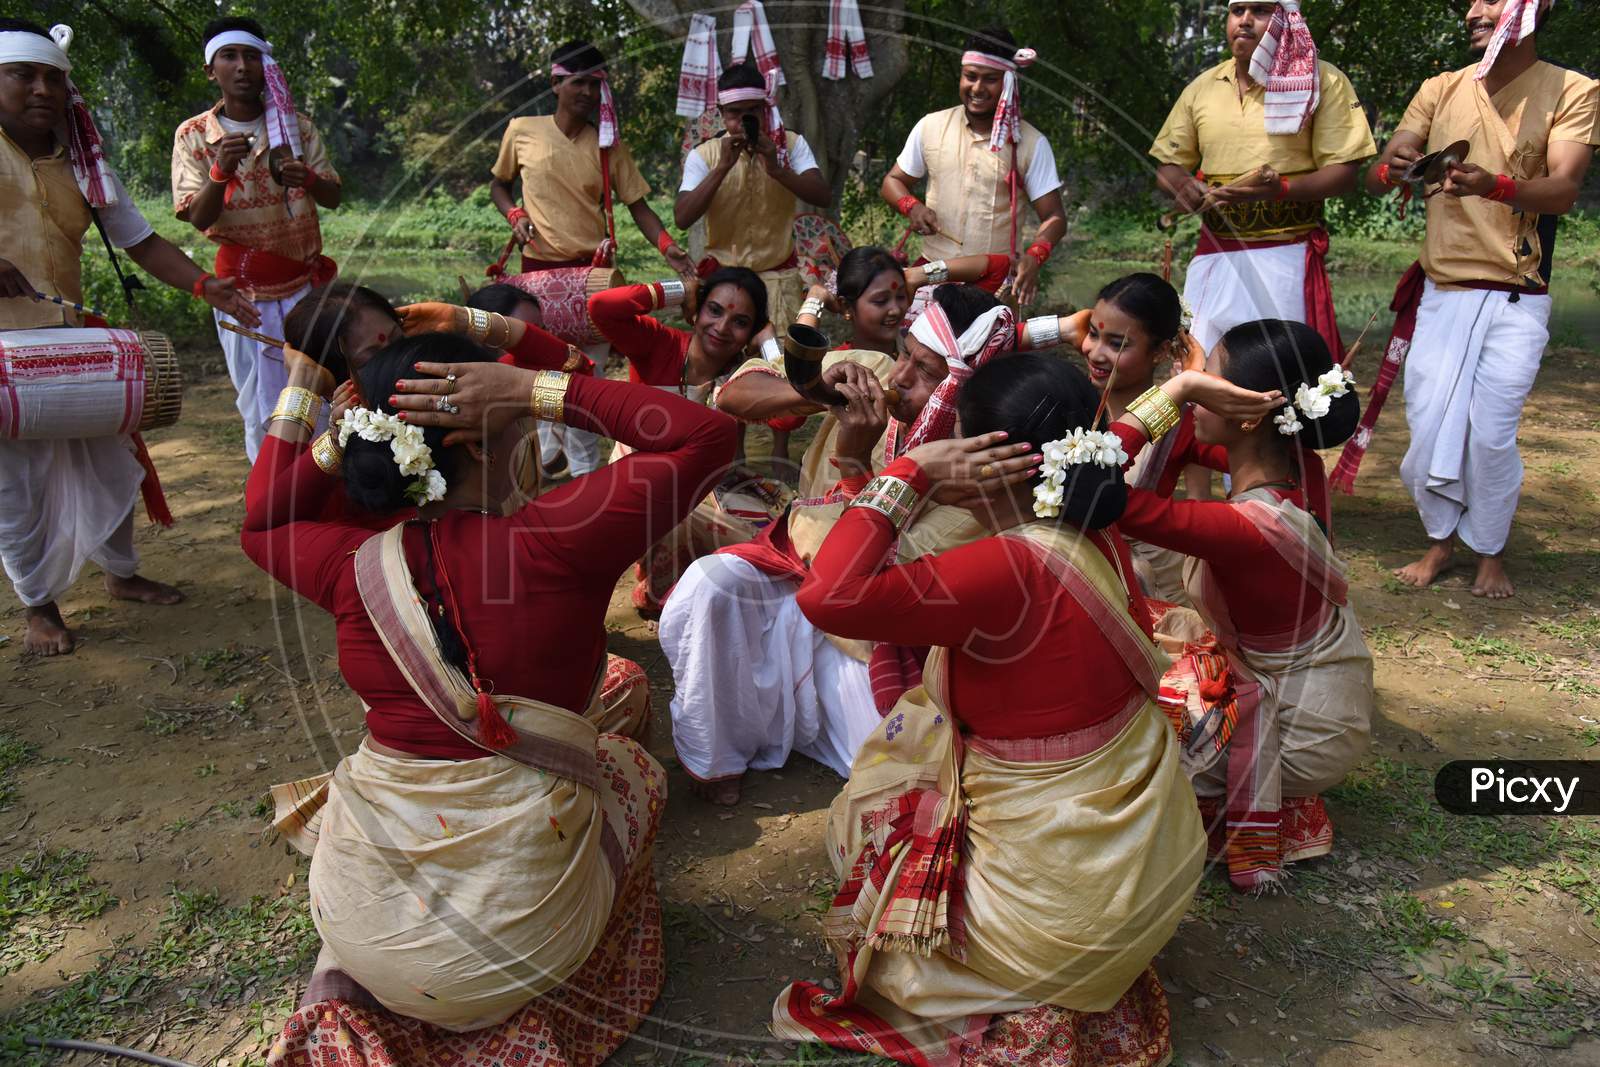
1249	426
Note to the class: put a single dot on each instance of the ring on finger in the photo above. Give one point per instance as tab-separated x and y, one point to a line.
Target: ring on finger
451	378
442	403
986	471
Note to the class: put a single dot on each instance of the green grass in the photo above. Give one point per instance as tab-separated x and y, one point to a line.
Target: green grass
38	896
205	957
14	753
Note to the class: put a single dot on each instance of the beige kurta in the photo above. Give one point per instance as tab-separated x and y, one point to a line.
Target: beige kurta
261	213
1471	239
968	187
562	190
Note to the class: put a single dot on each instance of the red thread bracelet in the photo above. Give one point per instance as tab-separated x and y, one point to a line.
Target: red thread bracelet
1283	188
199	287
1505	188
219	177
515	214
906	203
664	241
1040	250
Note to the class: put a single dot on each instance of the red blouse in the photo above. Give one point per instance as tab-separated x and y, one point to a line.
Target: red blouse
536	584
655	351
1025	659
1265	594
1187	451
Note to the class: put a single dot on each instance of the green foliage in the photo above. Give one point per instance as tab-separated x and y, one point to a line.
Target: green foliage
37	895
14	753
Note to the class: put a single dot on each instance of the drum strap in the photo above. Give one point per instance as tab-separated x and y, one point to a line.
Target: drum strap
129	282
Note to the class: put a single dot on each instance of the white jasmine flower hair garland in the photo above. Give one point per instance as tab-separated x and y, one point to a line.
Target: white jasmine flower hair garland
1313	402
1099	447
411	453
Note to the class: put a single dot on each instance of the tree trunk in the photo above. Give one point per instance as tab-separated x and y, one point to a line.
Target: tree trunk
829	114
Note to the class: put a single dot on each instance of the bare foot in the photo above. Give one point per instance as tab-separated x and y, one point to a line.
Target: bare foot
47	633
1492	582
1426	570
142	590
723	793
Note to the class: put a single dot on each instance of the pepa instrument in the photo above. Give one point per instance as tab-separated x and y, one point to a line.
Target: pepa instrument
804	349
77	383
563	294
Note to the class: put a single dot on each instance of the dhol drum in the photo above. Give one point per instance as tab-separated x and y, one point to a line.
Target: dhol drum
563	294
74	383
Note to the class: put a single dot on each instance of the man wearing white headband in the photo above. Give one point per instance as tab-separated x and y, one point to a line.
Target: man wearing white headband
1473	311
66	502
565	217
747	192
250	172
984	165
1290	125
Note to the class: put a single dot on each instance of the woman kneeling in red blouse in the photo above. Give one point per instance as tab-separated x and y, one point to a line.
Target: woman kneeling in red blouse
483	859
1017	839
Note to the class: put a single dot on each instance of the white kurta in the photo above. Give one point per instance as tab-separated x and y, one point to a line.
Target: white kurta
1227	288
66	502
257	370
753	679
1473	359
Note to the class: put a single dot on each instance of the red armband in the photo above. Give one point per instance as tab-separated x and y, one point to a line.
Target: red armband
1283	188
1385	177
218	176
199	287
1040	250
664	242
1505	188
906	203
515	214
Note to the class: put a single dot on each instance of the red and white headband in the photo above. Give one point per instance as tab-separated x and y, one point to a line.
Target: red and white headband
1024	57
608	105
283	127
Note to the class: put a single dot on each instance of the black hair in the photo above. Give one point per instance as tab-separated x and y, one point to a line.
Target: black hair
742	76
1037	398
1273	354
24	26
992	41
1149	299
963	304
745	279
223	25
578	57
317	323
372	480
501	298
860	267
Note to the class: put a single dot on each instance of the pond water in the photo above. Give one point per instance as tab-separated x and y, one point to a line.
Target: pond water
1575	315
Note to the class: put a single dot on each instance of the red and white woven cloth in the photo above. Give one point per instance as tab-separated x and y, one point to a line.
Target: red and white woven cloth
847	42
608	104
1008	113
1285	65
751	33
75	383
1518	21
700	69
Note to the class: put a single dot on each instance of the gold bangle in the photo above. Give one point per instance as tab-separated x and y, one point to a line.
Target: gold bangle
892	498
327	454
1156	411
296	404
575	358
549	395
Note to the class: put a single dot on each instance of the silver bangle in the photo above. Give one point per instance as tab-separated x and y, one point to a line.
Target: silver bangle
771	350
812	306
672	292
1043	331
938	272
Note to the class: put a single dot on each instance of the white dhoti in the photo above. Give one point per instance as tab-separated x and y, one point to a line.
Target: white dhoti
581	447
62	504
1227	288
257	370
1473	359
754	680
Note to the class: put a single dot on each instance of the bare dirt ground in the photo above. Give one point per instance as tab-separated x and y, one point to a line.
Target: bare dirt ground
140	904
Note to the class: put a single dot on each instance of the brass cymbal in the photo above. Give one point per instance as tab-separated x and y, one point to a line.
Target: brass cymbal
1432	168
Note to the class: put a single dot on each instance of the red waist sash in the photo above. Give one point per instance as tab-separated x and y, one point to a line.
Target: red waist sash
256	268
710	265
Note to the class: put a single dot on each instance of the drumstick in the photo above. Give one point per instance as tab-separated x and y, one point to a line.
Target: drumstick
79	308
1111	381
272	342
1350	353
